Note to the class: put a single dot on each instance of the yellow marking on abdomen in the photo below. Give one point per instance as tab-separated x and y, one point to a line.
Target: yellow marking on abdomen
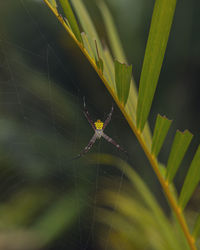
98	124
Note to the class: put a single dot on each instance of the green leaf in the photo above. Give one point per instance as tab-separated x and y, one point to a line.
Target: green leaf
92	35
57	218
123	75
119	55
141	219
160	132
127	233
156	45
179	147
22	207
71	19
86	21
144	193
53	3
191	181
88	45
112	33
131	218
99	61
196	230
109	60
108	65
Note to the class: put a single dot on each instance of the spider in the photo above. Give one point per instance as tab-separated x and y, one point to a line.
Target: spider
98	128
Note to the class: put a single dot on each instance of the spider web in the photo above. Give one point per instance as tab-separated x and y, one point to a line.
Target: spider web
47	200
42	128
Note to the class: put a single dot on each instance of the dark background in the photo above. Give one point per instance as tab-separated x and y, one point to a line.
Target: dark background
43	78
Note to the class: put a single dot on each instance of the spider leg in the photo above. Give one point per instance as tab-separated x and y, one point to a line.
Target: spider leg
87	148
109	139
108	118
86	113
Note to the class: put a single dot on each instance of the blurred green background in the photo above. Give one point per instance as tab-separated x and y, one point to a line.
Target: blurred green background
47	200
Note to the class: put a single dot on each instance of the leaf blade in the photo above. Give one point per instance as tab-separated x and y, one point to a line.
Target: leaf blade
144	193
87	45
191	180
113	37
156	45
86	21
71	19
196	230
160	131
57	218
98	59
53	3
123	75
90	30
108	58
180	144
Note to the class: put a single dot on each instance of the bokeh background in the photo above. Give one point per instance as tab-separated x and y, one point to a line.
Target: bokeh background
47	200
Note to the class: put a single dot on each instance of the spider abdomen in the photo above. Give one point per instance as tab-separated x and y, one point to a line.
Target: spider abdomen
99	133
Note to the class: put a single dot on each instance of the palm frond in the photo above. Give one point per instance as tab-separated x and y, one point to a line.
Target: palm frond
123	75
191	180
136	110
53	3
58	217
156	45
113	37
133	212
180	144
71	19
160	131
196	230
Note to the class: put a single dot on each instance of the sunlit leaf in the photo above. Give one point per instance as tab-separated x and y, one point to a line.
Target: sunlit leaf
151	69
141	218
99	63
112	33
160	132
180	144
191	180
119	55
71	19
156	45
122	227
91	33
123	75
111	69
144	193
86	21
88	45
93	50
98	59
53	3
